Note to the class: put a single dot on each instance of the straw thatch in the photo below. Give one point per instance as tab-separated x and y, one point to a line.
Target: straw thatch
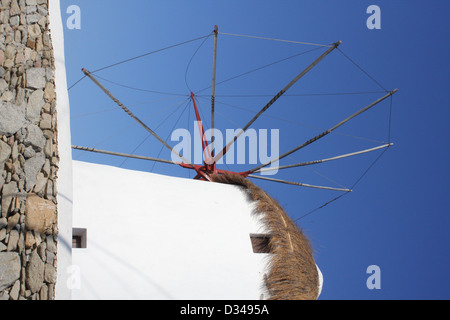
292	272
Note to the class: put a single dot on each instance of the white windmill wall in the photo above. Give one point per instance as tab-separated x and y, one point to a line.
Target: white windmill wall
157	237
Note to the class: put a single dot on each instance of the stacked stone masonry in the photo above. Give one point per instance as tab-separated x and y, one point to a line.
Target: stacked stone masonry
28	153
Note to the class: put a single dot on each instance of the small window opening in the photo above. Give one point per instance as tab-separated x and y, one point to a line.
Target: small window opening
79	238
261	242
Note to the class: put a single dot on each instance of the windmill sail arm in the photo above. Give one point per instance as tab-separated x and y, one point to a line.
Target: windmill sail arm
298	183
275	98
112	153
325	160
109	94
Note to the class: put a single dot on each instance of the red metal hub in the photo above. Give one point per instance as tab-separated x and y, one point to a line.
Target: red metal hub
209	166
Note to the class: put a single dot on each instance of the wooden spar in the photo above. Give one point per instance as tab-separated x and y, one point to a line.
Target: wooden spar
88	74
325	160
277	96
213	90
325	132
122	154
298	183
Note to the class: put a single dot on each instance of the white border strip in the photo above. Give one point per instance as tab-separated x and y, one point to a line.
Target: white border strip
64	182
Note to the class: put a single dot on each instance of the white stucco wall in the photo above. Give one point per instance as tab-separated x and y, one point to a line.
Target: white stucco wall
157	237
64	182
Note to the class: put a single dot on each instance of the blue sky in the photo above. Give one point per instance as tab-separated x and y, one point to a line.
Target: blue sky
397	216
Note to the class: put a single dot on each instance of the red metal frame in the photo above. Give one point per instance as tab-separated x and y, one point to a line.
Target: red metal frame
204	174
205	171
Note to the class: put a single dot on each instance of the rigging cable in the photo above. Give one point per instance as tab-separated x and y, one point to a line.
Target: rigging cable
138	57
390	120
148	136
364	71
280	40
259	68
170	132
340	196
140	89
117	108
192	58
295	94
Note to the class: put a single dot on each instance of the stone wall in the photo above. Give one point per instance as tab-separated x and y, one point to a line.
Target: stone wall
28	152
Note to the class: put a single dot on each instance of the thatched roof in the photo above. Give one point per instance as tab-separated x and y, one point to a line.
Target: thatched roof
292	271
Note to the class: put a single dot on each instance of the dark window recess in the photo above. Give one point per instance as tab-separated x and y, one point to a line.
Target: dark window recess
260	243
79	238
76	241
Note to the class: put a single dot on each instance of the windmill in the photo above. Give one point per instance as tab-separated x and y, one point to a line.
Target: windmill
292	272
